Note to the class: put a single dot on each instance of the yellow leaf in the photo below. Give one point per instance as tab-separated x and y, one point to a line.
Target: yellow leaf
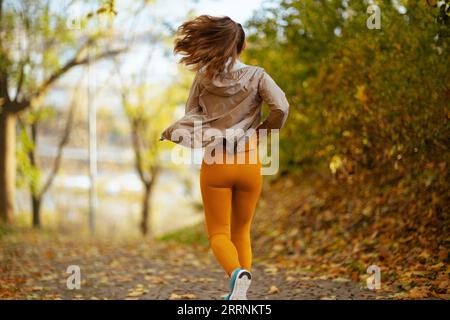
328	298
437	266
175	296
290	279
135	294
418	293
361	94
335	163
273	290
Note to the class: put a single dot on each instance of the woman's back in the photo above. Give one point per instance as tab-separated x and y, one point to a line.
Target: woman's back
227	106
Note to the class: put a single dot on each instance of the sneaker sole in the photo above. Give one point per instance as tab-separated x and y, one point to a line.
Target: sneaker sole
241	285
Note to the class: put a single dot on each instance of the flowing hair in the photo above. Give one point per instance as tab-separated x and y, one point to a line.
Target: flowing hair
209	42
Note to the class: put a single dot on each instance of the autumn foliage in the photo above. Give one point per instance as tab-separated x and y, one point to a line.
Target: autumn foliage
365	177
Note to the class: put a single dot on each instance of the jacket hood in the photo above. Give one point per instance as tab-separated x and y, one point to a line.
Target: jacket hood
228	84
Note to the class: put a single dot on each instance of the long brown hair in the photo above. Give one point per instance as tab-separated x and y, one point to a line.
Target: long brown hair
208	42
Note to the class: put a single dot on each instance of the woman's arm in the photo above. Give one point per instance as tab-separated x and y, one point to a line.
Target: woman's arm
272	94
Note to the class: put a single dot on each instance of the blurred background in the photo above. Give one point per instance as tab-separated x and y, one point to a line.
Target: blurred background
124	69
86	88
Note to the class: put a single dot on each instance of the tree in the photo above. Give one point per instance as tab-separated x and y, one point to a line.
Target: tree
36	50
357	95
148	111
29	125
367	134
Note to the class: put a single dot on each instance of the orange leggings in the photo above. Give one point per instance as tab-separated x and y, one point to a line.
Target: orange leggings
230	192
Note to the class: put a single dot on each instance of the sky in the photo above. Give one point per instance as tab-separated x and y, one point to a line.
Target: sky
238	10
175	12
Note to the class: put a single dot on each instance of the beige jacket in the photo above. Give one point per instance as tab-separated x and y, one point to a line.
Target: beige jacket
232	100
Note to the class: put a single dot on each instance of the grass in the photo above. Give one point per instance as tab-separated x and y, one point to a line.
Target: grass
189	235
6	230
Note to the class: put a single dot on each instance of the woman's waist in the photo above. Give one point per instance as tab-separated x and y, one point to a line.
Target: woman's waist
233	145
227	151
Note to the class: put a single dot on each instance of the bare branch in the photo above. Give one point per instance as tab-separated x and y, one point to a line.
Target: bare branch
134	123
3	73
21	79
64	140
4	88
1	9
75	61
138	152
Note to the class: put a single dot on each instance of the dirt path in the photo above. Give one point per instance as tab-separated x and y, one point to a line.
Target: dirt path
34	267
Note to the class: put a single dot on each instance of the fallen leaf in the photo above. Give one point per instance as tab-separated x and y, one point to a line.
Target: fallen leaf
290	279
418	293
175	296
273	290
328	298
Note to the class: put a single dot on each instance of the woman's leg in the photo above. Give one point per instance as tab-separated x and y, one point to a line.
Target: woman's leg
245	198
217	197
243	208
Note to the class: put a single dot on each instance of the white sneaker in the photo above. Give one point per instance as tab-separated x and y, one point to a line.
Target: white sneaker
239	284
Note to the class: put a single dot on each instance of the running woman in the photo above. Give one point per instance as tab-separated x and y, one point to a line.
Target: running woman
223	115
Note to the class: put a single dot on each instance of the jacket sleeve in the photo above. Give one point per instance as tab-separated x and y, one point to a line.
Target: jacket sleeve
191	103
272	94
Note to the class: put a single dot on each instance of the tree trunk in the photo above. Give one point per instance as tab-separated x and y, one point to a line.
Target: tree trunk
7	164
146	209
36	203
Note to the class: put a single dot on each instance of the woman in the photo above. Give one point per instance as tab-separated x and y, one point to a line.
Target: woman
225	104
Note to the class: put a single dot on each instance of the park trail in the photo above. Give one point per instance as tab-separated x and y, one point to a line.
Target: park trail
34	266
